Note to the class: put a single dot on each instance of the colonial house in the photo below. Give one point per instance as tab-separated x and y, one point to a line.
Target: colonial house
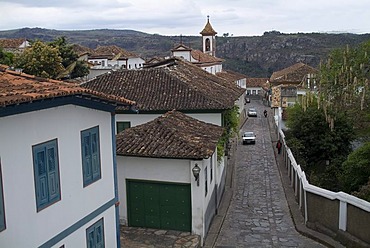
205	59
14	45
106	58
165	86
170	84
169	174
58	184
255	86
289	85
232	76
286	84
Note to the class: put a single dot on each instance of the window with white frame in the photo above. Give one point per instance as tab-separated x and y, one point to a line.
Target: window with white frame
46	173
90	148
95	235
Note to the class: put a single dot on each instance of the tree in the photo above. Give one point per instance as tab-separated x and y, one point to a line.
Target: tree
6	58
319	149
344	85
40	60
356	169
73	67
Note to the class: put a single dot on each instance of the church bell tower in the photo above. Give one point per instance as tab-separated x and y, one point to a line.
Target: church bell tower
209	39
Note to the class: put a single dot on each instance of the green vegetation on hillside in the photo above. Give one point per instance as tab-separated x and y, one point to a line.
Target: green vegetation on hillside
255	56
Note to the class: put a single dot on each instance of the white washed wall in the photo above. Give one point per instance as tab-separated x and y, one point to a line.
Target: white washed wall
18	133
135	63
78	238
184	54
165	170
138	119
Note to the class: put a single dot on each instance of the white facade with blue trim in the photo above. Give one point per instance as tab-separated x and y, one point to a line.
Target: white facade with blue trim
45	200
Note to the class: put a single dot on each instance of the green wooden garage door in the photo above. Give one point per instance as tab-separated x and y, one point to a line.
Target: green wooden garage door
159	205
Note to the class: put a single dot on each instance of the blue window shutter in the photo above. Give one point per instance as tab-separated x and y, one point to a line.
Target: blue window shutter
41	177
90	234
95	235
99	235
86	157
90	148
46	171
95	151
53	172
2	212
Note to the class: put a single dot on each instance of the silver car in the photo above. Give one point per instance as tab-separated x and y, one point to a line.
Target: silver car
252	112
249	138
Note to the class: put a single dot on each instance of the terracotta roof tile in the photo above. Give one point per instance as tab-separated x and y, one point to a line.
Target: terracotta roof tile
208	29
81	49
172	135
256	82
111	52
292	74
11	43
162	87
231	75
16	88
205	58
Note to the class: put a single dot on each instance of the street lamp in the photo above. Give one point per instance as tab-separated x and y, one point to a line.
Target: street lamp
196	171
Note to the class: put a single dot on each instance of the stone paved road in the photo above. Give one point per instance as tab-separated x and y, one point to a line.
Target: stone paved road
258	215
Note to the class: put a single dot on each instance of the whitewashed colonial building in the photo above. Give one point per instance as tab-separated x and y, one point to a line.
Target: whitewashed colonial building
57	164
168	174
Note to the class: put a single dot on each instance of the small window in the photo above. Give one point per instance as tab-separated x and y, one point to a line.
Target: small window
2	210
95	235
46	172
122	125
206	181
90	148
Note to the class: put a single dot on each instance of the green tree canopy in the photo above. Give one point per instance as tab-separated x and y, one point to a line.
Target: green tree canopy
356	169
314	144
55	60
344	85
40	60
6	58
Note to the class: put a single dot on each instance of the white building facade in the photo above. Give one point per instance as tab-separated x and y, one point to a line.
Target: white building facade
49	199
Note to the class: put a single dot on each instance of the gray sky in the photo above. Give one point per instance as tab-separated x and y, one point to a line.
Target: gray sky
188	17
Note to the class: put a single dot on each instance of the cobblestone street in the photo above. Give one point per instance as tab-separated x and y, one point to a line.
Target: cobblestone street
259	215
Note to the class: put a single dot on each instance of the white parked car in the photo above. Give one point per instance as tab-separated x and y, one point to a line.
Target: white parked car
249	138
252	112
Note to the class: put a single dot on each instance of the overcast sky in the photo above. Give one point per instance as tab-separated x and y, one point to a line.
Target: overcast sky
188	17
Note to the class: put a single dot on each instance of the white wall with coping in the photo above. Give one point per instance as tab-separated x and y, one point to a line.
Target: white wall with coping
18	134
138	119
172	171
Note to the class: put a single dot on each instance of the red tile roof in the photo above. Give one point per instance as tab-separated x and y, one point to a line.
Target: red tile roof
292	74
16	88
82	49
205	58
256	82
111	52
172	135
11	43
231	76
208	29
171	84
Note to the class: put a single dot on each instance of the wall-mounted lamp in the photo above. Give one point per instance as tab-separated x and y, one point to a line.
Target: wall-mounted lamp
196	171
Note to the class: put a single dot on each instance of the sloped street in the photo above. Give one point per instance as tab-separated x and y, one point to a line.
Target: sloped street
258	215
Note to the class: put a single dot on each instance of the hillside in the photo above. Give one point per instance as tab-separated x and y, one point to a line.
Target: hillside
255	56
